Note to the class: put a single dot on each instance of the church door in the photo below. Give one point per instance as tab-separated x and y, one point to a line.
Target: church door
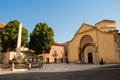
90	58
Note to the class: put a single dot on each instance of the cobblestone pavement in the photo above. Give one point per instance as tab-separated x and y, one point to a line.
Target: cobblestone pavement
66	72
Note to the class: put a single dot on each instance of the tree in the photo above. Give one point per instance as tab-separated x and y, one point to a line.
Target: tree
41	38
9	35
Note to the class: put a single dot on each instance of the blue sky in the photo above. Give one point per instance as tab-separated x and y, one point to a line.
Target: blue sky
64	16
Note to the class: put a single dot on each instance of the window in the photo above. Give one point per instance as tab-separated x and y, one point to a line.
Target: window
61	52
55	53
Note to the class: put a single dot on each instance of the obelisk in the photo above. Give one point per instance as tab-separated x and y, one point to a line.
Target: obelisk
19	41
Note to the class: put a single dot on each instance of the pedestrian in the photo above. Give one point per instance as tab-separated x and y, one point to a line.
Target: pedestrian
67	61
101	61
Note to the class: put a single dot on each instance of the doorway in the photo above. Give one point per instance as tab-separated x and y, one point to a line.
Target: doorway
55	60
90	57
47	60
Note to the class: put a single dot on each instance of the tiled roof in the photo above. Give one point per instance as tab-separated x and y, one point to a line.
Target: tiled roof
60	44
2	25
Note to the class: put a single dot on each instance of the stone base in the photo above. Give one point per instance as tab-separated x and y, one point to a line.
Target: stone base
20	70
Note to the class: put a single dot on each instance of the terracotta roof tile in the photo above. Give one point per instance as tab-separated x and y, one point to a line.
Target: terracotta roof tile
60	44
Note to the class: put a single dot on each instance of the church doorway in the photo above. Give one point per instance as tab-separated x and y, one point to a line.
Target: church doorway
87	50
90	57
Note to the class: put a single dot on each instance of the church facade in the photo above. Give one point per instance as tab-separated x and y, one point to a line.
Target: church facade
90	44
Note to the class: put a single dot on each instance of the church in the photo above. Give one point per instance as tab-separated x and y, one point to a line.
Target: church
90	43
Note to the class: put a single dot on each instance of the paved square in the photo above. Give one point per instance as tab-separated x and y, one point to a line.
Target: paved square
66	72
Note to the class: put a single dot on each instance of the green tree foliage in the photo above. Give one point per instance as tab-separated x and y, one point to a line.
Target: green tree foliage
41	38
9	36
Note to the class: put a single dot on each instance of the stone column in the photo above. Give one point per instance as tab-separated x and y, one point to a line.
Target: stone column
29	66
19	41
12	66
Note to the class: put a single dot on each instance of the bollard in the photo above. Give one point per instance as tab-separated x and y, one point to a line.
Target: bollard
12	66
39	64
29	66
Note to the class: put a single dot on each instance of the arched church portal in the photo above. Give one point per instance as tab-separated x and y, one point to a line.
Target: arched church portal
87	50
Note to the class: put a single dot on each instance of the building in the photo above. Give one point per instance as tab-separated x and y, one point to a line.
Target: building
119	44
90	44
57	54
2	25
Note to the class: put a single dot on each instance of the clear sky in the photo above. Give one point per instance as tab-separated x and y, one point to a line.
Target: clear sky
64	16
